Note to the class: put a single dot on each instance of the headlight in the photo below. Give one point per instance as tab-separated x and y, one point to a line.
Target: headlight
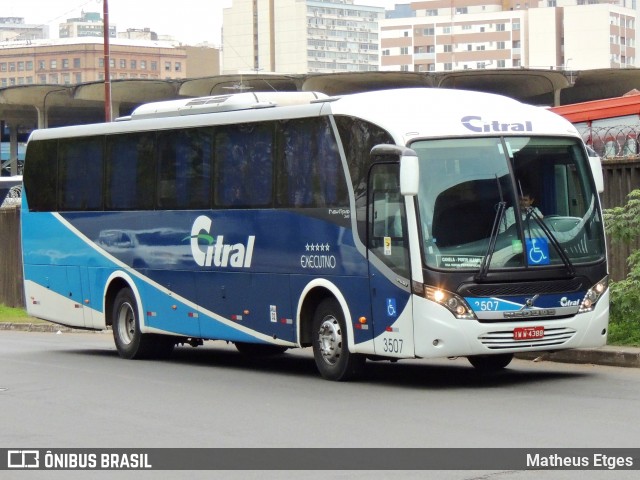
593	295
452	302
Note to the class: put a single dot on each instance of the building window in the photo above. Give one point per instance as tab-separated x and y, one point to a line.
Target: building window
77	63
78	77
167	66
101	62
143	64
500	27
517	62
461	10
123	63
429	31
21	66
178	67
53	65
154	66
3	67
404	50
501	63
41	65
133	64
29	66
448	66
448	48
500	45
65	63
432	13
446	30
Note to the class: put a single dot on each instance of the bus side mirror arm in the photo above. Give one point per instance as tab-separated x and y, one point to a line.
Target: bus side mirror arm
409	167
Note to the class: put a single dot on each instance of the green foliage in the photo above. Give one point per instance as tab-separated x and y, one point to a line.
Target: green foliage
623	225
14	315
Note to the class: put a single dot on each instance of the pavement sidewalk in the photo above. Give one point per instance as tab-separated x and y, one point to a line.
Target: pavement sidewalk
614	356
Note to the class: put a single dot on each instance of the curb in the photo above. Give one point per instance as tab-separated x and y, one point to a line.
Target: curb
628	357
612	356
43	327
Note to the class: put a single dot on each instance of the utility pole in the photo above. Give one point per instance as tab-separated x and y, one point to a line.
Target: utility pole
107	63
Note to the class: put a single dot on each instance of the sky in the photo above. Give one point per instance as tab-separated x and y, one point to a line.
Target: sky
193	22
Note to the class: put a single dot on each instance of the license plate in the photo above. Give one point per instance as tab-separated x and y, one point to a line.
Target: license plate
528	333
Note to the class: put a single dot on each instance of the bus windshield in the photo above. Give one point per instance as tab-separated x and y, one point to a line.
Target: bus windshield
510	202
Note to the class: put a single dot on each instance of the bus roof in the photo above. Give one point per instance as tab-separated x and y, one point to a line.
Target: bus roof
434	112
406	113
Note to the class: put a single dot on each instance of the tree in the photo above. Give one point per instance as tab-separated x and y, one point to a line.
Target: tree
623	225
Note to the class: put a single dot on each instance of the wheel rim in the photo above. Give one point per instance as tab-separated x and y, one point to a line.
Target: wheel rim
126	323
330	340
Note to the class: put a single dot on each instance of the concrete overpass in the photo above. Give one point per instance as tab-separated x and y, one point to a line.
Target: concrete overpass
43	106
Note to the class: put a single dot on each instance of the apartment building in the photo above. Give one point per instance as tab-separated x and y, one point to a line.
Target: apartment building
300	36
476	34
15	29
79	60
89	24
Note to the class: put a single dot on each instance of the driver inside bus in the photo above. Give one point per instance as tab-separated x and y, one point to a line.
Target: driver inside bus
526	203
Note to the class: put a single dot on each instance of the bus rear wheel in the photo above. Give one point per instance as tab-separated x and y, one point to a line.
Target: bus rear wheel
490	363
330	345
130	342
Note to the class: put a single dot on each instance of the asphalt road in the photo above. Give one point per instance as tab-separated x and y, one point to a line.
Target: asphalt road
72	390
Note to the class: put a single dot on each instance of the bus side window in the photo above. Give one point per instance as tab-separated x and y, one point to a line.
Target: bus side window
313	175
387	218
130	172
185	168
78	160
244	165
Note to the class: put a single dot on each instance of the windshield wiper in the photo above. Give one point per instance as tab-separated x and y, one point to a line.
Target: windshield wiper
530	212
486	261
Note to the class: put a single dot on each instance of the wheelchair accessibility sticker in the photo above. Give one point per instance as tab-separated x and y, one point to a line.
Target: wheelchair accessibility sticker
538	251
391	307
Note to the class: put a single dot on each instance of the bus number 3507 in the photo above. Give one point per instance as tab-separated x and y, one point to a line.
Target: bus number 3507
393	345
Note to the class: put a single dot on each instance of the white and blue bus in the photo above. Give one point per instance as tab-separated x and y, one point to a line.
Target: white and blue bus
378	225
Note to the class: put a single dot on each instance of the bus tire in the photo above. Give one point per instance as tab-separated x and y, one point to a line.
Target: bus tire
129	340
490	363
259	349
330	344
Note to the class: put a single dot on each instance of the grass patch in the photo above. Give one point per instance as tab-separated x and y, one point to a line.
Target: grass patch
16	315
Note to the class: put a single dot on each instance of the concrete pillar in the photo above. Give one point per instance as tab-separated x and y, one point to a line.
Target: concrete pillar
13	147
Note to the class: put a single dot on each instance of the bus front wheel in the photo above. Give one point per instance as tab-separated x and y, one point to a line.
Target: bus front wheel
130	342
490	363
330	346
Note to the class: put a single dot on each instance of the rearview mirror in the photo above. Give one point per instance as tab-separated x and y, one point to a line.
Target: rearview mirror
409	166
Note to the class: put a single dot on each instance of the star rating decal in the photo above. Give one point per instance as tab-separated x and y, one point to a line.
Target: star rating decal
317	247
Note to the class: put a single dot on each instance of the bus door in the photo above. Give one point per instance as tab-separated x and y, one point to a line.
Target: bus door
388	254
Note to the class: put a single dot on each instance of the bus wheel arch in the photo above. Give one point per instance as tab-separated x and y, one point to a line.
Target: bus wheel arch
124	313
324	324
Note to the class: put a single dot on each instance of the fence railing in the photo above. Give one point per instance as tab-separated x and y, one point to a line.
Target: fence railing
11	291
616	141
